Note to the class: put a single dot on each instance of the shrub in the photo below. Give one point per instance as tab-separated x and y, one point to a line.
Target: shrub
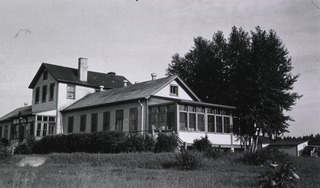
202	144
132	143
4	153
98	142
26	147
283	176
262	157
4	142
187	161
165	143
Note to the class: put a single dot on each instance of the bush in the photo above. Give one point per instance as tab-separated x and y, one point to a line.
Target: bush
283	176
26	147
166	143
4	153
4	142
187	161
98	142
202	144
263	157
132	143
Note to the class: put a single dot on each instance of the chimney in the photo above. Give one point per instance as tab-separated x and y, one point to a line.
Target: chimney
125	83
101	88
153	76
25	104
83	69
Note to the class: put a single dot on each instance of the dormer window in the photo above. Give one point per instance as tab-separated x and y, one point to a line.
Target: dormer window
174	90
71	91
45	75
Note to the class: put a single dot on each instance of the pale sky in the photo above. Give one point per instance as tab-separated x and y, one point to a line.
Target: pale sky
135	38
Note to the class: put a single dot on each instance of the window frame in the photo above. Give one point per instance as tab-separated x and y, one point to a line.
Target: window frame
119	120
83	123
73	96
44	93
94	122
174	90
51	92
133	119
37	95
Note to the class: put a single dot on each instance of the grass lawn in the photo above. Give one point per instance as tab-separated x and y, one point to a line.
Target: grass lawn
142	170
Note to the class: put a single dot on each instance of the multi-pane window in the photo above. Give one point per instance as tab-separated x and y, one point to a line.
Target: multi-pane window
192	121
44	130
219	124
71	91
51	128
106	121
174	90
133	119
38	129
201	123
37	97
83	121
162	117
183	121
226	123
70	124
44	93
211	123
119	120
94	122
51	92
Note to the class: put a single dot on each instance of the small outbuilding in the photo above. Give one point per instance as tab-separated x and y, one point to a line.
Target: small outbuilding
291	147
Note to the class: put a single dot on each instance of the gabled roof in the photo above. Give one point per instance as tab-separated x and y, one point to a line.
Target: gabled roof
288	142
70	75
137	91
23	111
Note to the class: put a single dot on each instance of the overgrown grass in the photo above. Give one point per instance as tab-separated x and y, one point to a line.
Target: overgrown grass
142	170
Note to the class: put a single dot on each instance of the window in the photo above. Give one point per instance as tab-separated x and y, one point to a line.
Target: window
71	91
38	129
211	127
45	75
174	90
83	121
201	122
106	121
94	122
192	122
219	124
119	120
5	134
227	126
51	128
44	93
37	97
183	121
70	124
44	130
133	119
14	131
0	131
51	94
162	117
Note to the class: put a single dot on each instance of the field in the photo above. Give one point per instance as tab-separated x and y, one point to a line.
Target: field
142	170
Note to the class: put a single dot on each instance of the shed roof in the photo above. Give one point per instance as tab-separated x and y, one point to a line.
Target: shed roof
23	111
128	93
288	142
70	75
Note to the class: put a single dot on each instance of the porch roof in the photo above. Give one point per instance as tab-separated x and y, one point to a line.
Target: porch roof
23	111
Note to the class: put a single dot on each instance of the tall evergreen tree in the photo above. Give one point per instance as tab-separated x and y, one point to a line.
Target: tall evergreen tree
251	71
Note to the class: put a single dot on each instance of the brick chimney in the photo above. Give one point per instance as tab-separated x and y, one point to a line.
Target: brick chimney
153	76
83	69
